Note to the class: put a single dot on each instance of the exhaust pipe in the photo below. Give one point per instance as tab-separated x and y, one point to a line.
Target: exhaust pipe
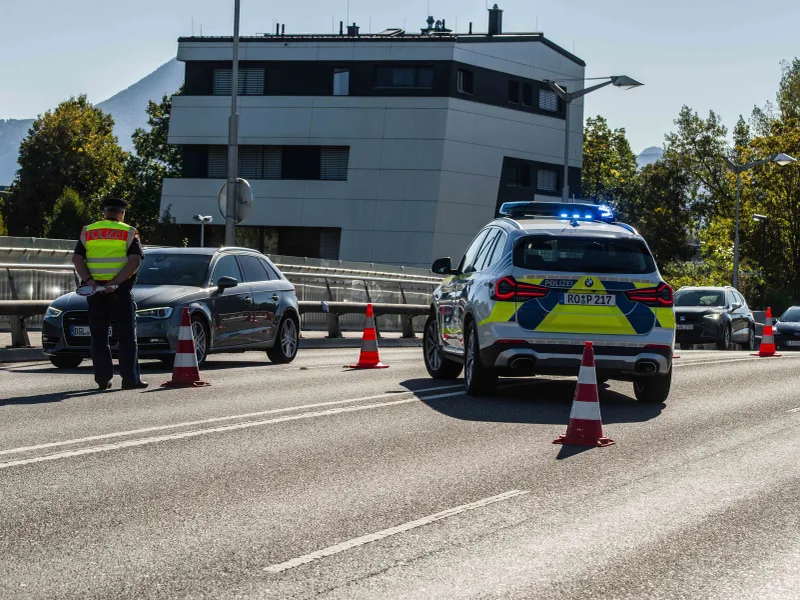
523	362
646	367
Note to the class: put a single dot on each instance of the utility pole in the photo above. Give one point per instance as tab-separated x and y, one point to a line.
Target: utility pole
233	137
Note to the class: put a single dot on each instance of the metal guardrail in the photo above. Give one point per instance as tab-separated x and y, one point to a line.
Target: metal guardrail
326	299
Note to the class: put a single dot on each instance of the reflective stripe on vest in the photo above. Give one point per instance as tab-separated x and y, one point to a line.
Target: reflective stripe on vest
107	244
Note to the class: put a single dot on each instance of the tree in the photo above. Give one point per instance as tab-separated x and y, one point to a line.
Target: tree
658	207
72	147
70	214
699	146
145	170
609	164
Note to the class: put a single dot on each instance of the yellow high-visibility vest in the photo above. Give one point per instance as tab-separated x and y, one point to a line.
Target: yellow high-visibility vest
107	244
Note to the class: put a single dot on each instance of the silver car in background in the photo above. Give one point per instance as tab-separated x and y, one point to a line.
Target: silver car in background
238	301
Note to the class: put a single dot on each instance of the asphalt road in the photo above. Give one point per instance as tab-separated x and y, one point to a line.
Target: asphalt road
309	480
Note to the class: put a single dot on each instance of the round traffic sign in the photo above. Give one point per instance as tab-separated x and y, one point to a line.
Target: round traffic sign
244	197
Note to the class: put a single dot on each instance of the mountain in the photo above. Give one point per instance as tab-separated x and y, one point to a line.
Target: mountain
127	108
649	156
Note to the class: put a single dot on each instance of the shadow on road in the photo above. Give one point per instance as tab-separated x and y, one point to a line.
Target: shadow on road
54	397
537	401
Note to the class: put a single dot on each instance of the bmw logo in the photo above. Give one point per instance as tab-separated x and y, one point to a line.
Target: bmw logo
589	282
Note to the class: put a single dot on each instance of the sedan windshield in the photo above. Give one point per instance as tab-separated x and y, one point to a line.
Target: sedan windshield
174	269
699	298
791	316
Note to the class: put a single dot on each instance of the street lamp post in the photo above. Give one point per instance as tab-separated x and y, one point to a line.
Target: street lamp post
621	81
233	137
763	220
782	160
203	219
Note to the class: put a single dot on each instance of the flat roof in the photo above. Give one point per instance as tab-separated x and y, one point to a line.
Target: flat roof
475	38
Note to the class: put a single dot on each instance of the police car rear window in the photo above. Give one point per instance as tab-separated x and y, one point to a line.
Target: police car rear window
583	255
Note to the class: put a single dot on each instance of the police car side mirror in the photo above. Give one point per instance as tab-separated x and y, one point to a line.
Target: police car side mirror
442	266
223	283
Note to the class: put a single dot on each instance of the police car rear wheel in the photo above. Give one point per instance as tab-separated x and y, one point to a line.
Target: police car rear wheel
437	365
478	379
653	390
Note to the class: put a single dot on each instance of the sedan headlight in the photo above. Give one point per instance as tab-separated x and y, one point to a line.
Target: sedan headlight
52	313
155	313
713	316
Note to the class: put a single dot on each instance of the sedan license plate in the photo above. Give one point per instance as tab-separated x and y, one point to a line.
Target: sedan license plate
684	326
78	331
793	343
590	299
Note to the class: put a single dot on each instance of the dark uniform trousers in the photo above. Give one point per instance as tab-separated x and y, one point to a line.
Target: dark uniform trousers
120	308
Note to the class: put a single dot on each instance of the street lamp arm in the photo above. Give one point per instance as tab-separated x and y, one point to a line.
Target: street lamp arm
570	96
583	92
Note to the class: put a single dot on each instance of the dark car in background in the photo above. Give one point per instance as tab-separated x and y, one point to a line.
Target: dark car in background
713	315
787	329
237	298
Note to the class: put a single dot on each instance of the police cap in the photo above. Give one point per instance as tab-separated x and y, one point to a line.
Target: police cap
117	203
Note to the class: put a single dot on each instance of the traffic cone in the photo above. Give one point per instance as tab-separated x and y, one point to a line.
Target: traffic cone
369	357
767	347
585	427
185	373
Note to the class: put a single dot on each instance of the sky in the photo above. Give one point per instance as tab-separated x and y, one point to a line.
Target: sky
707	54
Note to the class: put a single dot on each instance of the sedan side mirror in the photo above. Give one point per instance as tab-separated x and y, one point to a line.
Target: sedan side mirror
736	306
442	266
224	283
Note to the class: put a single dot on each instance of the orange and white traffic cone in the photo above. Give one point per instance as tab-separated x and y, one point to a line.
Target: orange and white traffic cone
585	426
185	373
767	347
369	357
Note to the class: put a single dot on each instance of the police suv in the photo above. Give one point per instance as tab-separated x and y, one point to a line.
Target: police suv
537	283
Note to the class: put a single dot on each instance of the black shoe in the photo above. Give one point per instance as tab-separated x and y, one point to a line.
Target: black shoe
136	385
106	385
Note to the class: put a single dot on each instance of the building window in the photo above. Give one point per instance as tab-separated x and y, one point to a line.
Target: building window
341	82
548	100
334	161
283	162
217	162
513	92
273	158
527	94
466	81
404	77
546	180
251	82
519	175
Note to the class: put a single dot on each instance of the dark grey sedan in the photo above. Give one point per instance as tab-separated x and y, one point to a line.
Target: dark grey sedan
238	301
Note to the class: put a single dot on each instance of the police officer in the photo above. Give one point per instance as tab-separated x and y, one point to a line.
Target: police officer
107	257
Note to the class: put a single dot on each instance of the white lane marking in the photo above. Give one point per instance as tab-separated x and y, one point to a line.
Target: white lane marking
379	535
198	432
794	410
721	361
273	411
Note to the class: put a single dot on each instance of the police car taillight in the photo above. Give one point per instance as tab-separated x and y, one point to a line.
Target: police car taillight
509	289
655	296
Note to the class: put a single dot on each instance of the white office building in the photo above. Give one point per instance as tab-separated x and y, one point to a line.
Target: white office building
389	148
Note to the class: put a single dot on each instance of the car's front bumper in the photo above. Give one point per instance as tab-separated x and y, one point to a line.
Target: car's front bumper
611	362
700	333
156	337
